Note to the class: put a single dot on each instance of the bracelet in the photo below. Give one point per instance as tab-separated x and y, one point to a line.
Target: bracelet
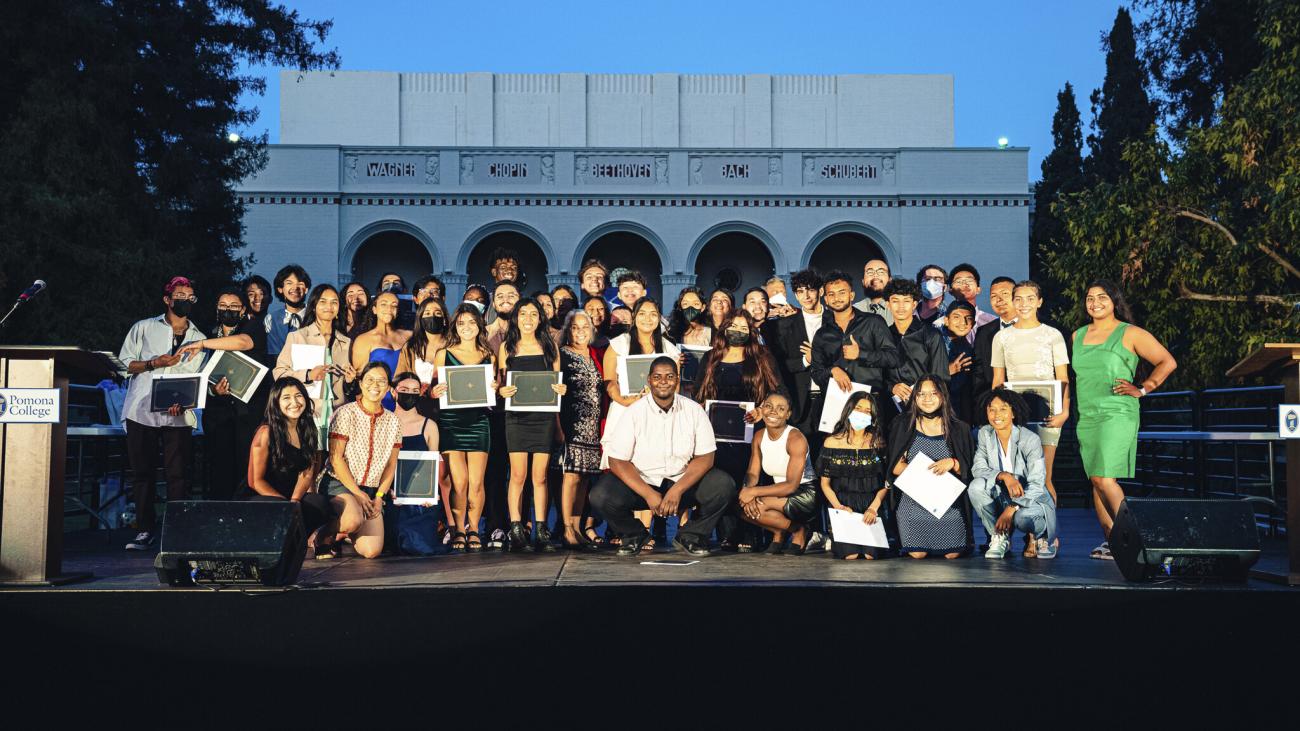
1142	390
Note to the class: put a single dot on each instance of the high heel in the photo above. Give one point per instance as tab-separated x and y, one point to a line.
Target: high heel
517	538
542	538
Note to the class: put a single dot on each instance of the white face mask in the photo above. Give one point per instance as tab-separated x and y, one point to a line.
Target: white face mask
931	289
859	420
478	305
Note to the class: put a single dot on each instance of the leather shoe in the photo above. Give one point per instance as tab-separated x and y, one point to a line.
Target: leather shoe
690	545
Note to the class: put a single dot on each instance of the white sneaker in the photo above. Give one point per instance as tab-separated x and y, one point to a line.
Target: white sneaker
998	546
143	542
1045	549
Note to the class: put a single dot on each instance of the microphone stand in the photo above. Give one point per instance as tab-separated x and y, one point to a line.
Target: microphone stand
10	312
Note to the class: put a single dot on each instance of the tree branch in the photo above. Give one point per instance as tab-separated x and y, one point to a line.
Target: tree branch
1269	251
1185	293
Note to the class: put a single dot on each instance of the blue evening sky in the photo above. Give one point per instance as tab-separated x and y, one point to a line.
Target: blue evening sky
1008	58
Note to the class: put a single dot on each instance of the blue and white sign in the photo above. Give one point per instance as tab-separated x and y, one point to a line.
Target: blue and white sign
1288	421
29	405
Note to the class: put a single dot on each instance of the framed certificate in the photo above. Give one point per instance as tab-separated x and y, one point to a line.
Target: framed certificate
634	371
468	387
416	481
188	390
1042	397
243	373
535	392
691	357
728	420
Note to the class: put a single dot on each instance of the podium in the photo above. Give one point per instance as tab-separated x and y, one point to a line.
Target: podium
32	459
1281	362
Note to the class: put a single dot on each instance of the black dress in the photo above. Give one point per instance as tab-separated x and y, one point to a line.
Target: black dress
580	414
856	476
732	457
527	431
283	478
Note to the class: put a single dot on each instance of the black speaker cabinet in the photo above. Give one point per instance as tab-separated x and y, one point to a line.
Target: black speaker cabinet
220	542
1157	538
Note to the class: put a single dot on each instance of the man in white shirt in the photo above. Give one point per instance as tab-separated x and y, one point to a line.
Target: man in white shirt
661	459
151	348
794	345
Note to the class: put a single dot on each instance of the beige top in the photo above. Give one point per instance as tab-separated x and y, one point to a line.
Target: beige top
311	335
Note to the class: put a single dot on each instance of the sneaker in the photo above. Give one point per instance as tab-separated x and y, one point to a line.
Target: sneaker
1102	552
496	541
1045	549
143	542
817	542
998	546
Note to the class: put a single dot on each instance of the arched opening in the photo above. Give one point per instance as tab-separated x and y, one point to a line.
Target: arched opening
631	251
532	261
846	251
733	260
390	251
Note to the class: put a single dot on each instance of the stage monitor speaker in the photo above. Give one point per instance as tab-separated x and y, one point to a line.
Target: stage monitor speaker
222	542
1168	538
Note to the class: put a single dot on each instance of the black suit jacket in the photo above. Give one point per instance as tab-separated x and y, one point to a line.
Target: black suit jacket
797	378
920	351
877	351
981	371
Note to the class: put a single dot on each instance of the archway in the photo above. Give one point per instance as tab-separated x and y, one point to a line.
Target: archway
734	260
845	251
532	260
632	251
390	251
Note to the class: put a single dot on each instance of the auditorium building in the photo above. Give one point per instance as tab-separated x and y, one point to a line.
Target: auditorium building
711	180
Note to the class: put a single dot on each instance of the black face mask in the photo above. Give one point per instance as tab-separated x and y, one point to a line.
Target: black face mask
690	313
228	318
181	308
433	325
737	337
618	328
930	414
407	400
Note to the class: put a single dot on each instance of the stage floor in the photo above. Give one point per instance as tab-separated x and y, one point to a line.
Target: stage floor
115	569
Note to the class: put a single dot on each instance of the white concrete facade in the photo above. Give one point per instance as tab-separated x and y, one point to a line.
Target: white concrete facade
456	163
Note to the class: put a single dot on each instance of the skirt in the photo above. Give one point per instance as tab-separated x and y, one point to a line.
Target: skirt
532	433
801	505
464	430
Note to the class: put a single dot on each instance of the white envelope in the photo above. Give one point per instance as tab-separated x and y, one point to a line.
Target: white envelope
305	357
834	404
935	493
847	527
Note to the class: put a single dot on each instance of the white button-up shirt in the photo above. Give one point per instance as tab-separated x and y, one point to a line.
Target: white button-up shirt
660	443
149	339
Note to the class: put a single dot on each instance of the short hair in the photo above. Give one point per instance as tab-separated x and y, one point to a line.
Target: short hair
960	305
233	290
760	290
566	288
261	283
296	271
903	287
597	263
1038	289
805	278
920	273
966	267
539	293
631	276
428	279
1019	409
503	253
774	280
999	280
174	282
664	360
838	275
504	283
612	310
404	375
486	295
388	373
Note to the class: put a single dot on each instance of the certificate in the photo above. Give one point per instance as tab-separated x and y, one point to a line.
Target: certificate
188	390
935	493
728	420
242	373
1042	397
634	372
535	392
416	481
691	357
847	527
305	357
833	406
468	387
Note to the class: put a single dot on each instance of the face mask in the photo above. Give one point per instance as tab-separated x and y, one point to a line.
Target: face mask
181	308
931	289
228	318
477	305
407	400
433	325
618	328
737	337
690	313
930	414
859	420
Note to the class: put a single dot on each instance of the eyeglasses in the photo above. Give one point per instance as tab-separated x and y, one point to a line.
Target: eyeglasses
935	278
876	272
192	298
964	281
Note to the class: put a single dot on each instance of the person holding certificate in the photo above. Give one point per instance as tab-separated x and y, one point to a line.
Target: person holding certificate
364	441
1033	351
317	355
283	461
465	434
851	467
1008	486
529	436
645	338
850	346
928	427
789	500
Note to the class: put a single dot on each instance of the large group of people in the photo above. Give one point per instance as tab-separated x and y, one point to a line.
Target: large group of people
926	378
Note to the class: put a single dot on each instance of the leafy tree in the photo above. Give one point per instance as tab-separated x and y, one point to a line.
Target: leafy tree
1062	172
1121	109
114	118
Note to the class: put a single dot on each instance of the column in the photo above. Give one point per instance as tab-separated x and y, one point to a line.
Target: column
455	284
673	284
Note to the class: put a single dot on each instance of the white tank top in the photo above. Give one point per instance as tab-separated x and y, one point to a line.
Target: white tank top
775	457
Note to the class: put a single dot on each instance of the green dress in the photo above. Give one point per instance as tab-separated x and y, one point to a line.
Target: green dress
1108	422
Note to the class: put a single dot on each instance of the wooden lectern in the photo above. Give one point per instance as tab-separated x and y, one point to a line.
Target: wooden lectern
32	458
1281	362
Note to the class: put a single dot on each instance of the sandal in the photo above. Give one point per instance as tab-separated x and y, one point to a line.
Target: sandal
591	534
648	546
458	543
1102	552
472	542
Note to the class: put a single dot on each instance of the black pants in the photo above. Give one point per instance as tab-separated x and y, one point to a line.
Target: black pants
807	423
496	477
227	436
617	502
142	452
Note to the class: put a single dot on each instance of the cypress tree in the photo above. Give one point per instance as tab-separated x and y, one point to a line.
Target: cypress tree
1122	111
1062	173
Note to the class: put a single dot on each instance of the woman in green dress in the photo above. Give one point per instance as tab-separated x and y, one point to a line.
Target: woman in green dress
1106	355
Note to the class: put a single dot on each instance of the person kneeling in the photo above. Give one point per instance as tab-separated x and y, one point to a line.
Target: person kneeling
661	459
780	451
1009	489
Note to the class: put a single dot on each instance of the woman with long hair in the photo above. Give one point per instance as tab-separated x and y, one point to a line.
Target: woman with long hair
258	294
929	427
851	468
429	337
579	427
597	310
529	436
356	303
412	529
1108	355
721	301
326	382
465	434
283	460
779	457
383	342
688	323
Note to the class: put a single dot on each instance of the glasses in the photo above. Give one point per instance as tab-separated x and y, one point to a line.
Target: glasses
192	298
935	278
964	282
876	272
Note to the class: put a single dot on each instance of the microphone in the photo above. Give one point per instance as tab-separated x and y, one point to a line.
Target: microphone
37	287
